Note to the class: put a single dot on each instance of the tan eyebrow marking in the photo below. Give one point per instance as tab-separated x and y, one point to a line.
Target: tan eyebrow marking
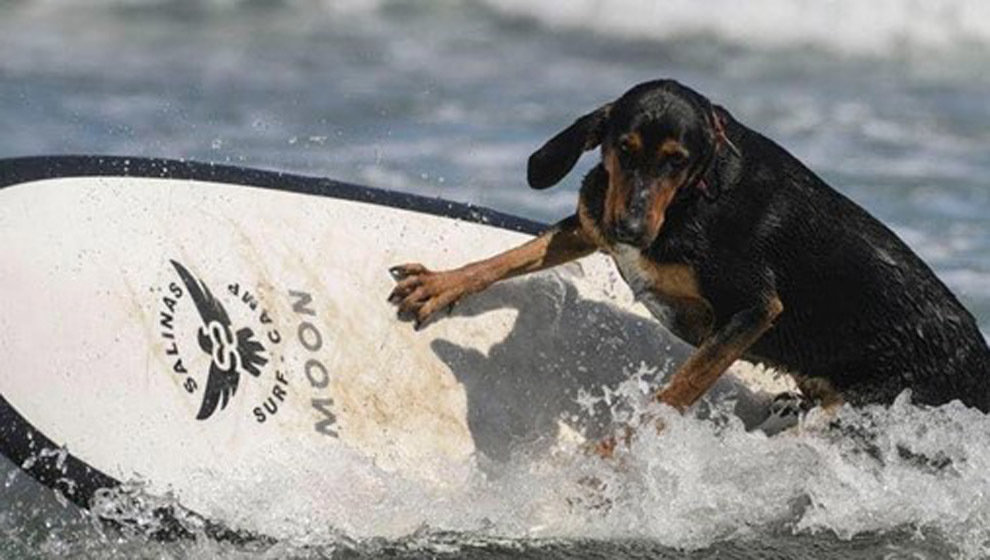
632	142
670	147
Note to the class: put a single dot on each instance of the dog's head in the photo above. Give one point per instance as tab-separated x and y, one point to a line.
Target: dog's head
658	138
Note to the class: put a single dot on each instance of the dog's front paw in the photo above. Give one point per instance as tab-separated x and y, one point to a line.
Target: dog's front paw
607	447
604	448
420	292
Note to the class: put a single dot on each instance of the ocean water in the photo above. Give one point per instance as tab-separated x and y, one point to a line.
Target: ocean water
889	101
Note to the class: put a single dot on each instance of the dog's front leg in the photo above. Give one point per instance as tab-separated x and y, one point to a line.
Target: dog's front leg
422	292
716	354
704	367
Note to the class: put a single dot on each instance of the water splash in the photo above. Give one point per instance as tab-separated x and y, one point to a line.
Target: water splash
698	484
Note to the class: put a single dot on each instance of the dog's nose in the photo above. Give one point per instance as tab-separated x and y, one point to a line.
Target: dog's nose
629	230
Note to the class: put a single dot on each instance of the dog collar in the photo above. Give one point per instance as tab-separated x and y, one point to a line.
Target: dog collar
721	139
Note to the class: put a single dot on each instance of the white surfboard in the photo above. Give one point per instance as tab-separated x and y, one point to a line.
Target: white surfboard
216	333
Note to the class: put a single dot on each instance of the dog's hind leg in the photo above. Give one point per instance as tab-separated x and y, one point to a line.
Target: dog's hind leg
784	412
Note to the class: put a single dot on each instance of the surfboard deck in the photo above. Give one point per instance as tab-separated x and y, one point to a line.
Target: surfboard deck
218	333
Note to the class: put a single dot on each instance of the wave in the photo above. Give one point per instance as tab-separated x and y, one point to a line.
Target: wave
878	28
882	27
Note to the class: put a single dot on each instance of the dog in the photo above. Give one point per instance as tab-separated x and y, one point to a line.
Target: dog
741	251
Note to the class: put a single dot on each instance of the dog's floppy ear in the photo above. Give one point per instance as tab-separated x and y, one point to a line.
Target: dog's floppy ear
548	165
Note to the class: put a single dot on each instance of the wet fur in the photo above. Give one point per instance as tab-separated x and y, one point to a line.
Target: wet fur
861	310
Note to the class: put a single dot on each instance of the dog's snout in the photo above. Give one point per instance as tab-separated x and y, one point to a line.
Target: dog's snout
629	230
630	227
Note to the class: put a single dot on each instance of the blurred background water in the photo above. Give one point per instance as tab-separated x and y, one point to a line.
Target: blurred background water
888	100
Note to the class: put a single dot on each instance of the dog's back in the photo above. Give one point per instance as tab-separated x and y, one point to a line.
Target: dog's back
863	311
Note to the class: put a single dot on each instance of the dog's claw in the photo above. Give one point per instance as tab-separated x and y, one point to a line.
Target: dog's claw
419	292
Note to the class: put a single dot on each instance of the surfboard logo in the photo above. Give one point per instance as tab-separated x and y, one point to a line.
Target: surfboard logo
234	352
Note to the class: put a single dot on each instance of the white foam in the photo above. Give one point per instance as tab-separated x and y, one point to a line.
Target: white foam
702	481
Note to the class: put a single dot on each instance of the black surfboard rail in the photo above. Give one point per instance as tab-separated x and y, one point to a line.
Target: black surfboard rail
24	170
57	468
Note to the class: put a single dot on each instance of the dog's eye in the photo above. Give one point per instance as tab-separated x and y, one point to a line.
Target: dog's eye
677	159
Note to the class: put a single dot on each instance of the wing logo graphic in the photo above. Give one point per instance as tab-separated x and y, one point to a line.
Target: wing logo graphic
232	353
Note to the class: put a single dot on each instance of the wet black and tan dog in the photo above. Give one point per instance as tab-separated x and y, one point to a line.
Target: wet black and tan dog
742	251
